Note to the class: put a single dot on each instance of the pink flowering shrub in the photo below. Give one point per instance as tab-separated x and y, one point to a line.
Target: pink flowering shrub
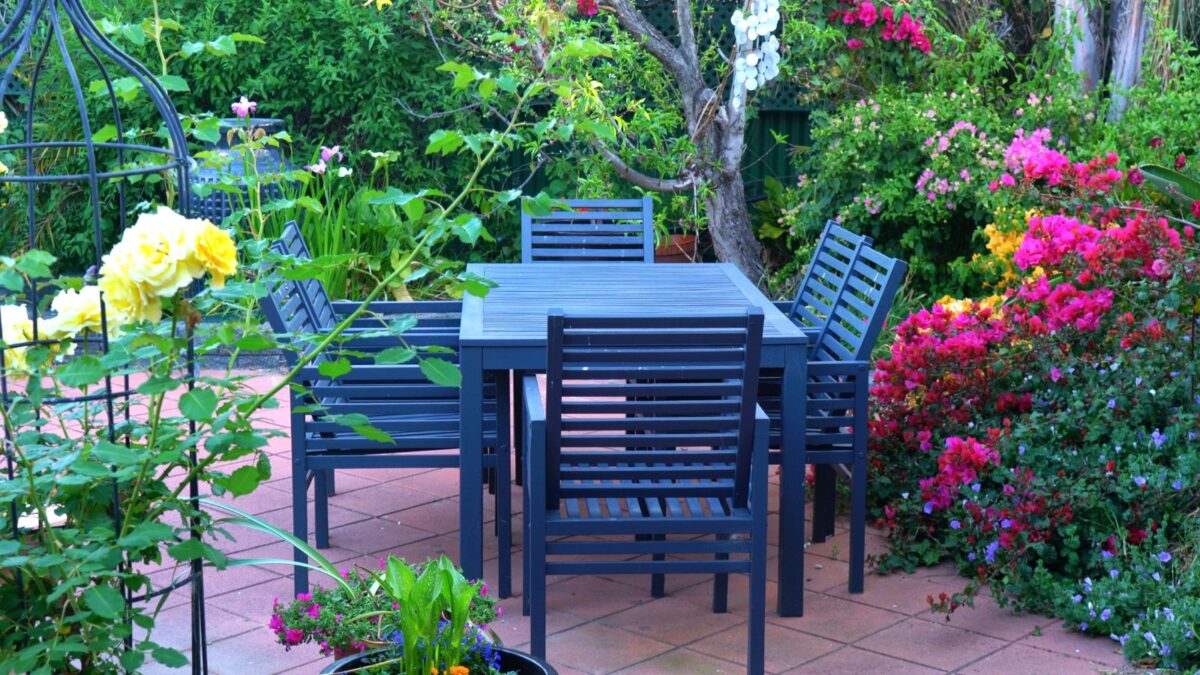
1055	437
872	20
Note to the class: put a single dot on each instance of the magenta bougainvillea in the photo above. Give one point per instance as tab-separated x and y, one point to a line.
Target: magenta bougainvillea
881	20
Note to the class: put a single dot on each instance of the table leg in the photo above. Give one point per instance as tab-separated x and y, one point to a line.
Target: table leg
790	601
471	463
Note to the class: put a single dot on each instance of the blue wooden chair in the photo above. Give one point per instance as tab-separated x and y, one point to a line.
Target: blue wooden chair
649	445
596	230
842	304
420	418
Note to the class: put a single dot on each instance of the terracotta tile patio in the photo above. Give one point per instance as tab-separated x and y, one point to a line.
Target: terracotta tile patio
607	625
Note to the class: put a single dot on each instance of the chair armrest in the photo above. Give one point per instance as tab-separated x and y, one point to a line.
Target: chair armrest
847	369
534	428
784	306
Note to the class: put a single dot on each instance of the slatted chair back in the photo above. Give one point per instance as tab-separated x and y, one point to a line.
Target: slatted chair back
597	230
642	409
861	308
832	260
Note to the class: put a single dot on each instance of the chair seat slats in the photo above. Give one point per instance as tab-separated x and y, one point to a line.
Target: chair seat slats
691	390
649	423
664	440
629	407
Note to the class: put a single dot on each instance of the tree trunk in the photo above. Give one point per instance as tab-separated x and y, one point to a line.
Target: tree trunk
1131	21
729	225
1083	21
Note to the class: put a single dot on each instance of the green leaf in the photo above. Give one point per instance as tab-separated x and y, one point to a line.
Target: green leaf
36	264
207	130
243	37
441	371
487	87
112	453
334	369
158	385
222	46
170	658
191	48
464	75
82	371
395	197
198	404
146	534
105	601
134	34
467	228
394	355
1174	184
173	83
372	434
243	480
188	549
105	134
444	141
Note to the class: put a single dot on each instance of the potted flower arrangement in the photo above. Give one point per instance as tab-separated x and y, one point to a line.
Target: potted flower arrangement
402	619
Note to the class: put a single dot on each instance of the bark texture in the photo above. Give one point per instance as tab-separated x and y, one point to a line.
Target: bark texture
1083	20
1131	23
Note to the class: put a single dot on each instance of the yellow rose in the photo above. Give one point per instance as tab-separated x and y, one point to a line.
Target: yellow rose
3	122
16	327
79	311
128	300
154	258
215	251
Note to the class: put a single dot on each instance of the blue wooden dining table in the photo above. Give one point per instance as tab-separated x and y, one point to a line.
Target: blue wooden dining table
506	330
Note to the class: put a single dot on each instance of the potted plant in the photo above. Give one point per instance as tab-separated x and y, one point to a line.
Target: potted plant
676	231
401	619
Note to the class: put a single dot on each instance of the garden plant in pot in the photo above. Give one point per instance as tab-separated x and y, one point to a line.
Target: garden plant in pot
677	230
401	619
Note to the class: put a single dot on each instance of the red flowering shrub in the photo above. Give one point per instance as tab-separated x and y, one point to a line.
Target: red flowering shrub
1066	419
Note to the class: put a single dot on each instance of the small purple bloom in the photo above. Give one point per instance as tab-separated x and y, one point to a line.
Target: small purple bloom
1156	576
1006	523
1105	614
975	487
1106	554
1177	485
1114	573
971	556
244	108
1165	651
954	524
1077	598
1159	438
1112	404
1168	613
1138	382
1139	480
928	507
1164	557
1083	626
1020	449
990	553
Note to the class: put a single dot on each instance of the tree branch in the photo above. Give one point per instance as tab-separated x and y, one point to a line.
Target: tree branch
642	180
657	44
687	33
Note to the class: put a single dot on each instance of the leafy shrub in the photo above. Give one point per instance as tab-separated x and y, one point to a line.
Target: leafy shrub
1051	435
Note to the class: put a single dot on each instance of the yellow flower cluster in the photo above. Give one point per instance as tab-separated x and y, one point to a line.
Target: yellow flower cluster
379	4
1004	237
958	306
160	255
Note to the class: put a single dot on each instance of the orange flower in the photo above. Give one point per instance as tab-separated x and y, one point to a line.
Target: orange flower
459	670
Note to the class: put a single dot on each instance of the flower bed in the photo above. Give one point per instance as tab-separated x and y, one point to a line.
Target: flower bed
1047	439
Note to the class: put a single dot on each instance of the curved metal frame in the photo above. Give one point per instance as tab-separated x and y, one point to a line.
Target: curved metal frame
35	29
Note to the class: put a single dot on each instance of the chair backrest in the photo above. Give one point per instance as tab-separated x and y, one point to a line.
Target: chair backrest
296	306
846	294
651	407
596	230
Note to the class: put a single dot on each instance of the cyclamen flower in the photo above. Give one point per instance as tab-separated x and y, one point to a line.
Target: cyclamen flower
244	108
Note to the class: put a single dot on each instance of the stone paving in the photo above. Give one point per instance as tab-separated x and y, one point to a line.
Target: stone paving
612	624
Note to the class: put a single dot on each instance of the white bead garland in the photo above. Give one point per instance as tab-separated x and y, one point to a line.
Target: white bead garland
757	48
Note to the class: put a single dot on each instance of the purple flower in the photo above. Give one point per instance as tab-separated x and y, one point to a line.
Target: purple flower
318	168
990	554
1077	598
1156	576
954	524
1106	554
244	108
1164	557
1165	651
1168	613
1055	374
1020	449
1006	523
1158	438
928	507
1139	480
276	623
1083	626
1112	404
975	487
1138	382
1105	614
1114	573
971	556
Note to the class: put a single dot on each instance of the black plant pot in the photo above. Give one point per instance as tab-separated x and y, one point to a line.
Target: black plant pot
217	204
511	661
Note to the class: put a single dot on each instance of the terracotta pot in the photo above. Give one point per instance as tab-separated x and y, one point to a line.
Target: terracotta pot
680	248
511	661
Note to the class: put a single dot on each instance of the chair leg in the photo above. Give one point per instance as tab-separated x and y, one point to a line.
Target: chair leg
720	603
756	656
518	405
300	521
321	508
329	483
504	481
536	588
858	525
824	502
